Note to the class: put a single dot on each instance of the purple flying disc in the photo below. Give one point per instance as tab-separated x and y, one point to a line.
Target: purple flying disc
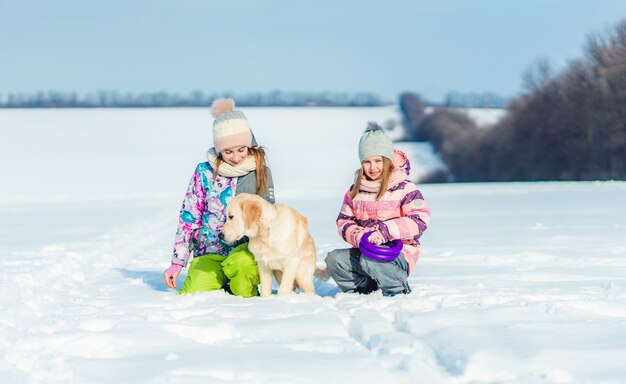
380	253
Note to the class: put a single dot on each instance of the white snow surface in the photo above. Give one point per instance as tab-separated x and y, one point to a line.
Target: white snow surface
517	283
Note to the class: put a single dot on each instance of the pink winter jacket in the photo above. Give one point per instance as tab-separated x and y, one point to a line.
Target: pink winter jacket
400	213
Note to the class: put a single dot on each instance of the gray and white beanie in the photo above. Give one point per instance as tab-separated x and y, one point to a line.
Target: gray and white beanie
374	142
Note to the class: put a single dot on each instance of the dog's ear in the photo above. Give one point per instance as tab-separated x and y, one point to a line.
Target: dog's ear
251	212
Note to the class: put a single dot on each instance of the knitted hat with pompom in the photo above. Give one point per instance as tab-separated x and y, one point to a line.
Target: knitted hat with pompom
230	127
375	142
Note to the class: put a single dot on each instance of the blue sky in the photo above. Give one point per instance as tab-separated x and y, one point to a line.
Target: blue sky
384	47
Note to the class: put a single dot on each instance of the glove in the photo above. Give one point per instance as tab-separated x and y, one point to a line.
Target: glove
174	268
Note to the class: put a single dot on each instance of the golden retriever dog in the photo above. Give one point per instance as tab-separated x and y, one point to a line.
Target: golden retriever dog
279	240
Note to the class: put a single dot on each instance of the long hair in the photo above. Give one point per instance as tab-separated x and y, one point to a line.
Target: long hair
384	179
261	170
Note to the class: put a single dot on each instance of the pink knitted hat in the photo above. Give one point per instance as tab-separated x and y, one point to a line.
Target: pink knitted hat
230	127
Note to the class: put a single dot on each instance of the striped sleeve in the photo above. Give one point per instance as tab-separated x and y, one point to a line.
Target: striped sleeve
414	220
348	228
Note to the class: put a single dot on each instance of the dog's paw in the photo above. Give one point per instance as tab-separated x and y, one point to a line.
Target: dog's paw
322	274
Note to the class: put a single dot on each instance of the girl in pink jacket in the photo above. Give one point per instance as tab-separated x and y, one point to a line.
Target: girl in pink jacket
384	202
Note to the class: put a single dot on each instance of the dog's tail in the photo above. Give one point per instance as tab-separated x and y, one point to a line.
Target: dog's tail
322	274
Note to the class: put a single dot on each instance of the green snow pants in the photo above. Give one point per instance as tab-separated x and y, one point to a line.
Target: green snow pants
236	271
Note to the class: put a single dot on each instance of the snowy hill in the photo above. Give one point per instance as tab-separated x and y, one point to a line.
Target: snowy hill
519	283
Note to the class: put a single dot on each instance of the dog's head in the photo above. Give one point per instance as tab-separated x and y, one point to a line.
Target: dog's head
244	217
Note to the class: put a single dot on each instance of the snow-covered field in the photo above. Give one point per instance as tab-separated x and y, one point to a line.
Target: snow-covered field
518	283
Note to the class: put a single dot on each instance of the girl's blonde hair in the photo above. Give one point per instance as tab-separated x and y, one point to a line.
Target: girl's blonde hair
384	179
261	171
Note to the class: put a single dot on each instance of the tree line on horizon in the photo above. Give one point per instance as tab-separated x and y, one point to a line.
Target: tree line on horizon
567	126
114	99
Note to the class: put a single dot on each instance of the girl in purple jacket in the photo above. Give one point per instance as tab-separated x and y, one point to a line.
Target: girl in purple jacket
384	203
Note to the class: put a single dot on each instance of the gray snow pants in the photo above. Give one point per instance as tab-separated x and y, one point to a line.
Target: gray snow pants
356	273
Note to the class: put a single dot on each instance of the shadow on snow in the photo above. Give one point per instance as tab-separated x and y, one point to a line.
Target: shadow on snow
155	281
